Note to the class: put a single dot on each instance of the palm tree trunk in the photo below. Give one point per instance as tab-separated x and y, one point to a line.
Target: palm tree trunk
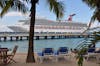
30	56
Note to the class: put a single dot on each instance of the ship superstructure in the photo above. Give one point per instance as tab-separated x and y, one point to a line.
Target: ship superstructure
50	26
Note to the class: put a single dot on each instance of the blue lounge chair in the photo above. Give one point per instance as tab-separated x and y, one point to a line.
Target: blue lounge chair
62	52
90	53
91	50
47	53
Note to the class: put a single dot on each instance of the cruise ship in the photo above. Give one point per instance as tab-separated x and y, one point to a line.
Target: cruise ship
50	26
44	29
43	25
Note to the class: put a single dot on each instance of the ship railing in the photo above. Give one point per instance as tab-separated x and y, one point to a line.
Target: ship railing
13	33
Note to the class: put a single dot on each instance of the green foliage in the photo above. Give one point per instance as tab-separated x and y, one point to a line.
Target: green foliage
7	7
16	5
57	7
95	5
1	5
84	49
92	3
80	56
80	61
96	37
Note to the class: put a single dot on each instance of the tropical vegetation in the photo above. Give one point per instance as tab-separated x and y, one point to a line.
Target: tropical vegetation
58	9
54	5
95	5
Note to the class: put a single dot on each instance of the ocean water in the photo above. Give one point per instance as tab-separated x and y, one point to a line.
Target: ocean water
40	44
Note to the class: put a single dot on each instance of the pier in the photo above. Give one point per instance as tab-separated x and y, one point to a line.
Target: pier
16	36
44	29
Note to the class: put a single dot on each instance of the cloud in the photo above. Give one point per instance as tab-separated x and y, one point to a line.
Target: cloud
11	14
16	14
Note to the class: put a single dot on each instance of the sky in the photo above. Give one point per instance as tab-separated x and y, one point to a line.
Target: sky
82	11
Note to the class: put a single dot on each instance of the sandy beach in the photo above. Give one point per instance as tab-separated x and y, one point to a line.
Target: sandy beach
21	58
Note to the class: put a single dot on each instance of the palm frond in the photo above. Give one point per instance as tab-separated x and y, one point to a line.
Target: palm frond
96	15
1	5
56	7
19	6
91	3
94	4
6	8
16	5
88	27
96	37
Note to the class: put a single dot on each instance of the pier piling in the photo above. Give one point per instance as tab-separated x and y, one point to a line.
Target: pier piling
37	38
21	38
0	39
27	37
45	37
52	37
17	38
5	38
11	38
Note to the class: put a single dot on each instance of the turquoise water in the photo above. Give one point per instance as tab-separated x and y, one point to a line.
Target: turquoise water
40	44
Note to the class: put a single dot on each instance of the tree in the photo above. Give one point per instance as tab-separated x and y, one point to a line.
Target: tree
15	5
56	6
95	5
96	37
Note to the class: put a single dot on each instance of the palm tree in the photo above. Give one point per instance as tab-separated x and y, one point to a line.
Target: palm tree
95	5
1	5
96	37
56	6
16	5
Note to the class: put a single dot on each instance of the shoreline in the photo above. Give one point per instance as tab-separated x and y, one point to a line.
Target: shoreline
21	61
20	58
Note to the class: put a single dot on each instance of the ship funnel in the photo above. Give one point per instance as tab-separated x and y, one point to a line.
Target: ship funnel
70	17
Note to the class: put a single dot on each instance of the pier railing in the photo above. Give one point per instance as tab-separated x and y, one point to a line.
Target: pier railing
3	34
8	34
40	35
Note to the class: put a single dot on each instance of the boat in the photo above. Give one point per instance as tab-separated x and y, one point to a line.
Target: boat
49	26
44	29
